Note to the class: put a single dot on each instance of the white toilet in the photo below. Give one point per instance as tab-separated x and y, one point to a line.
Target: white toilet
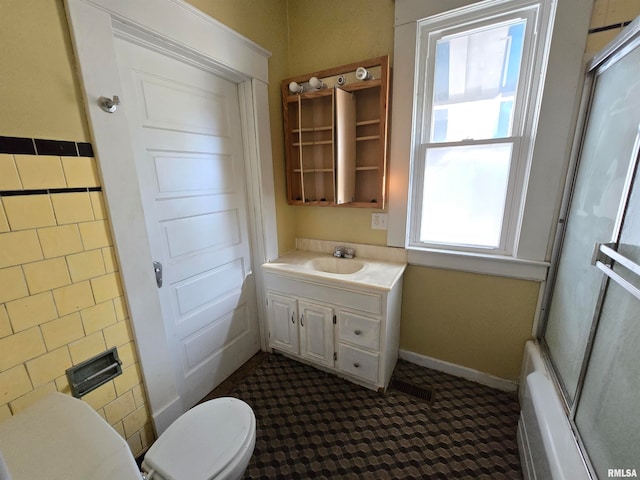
69	440
213	440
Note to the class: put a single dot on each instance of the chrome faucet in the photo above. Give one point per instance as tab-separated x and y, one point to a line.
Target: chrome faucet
344	252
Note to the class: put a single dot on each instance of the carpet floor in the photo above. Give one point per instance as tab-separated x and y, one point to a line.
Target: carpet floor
311	424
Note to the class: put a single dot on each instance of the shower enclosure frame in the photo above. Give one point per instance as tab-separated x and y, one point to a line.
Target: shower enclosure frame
604	253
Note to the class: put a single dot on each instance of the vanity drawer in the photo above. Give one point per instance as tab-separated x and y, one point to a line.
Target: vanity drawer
359	330
358	363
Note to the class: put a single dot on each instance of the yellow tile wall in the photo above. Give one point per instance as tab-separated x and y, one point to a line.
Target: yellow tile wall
61	297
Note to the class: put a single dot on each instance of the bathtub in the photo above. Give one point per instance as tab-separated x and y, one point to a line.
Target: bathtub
547	446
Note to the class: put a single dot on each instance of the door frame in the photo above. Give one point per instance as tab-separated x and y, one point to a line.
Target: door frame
181	31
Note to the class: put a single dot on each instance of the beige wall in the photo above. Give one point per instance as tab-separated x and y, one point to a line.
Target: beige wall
609	13
39	91
476	321
338	33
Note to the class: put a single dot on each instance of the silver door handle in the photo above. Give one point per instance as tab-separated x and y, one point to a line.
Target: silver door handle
109	105
157	268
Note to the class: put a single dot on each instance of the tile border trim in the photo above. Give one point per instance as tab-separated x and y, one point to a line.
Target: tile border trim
609	27
39	146
47	191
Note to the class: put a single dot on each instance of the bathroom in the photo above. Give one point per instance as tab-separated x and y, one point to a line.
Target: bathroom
76	310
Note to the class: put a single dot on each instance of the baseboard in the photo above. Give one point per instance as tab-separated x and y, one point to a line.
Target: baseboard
459	371
165	416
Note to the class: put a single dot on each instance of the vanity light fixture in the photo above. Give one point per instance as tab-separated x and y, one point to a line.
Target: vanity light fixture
295	87
315	82
363	74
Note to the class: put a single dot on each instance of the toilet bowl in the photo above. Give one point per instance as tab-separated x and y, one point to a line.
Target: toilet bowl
214	440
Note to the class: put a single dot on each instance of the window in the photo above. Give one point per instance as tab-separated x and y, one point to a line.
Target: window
538	128
473	127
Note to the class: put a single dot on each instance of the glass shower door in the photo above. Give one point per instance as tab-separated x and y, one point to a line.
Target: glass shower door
592	329
607	415
600	186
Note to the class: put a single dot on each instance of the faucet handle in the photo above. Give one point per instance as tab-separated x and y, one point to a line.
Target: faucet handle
338	252
349	253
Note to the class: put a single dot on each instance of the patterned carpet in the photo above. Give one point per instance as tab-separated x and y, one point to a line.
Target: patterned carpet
311	424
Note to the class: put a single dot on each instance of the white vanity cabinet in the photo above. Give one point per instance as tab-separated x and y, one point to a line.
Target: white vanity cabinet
346	328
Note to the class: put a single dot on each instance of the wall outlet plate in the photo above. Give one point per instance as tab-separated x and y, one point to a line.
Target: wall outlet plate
379	221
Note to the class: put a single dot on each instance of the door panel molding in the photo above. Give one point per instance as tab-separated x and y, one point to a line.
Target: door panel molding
176	27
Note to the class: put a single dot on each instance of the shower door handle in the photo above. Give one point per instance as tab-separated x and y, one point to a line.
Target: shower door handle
157	268
603	257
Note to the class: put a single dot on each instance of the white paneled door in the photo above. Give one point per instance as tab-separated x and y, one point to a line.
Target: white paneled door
185	122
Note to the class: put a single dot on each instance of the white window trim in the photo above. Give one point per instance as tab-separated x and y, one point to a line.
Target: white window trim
549	155
533	65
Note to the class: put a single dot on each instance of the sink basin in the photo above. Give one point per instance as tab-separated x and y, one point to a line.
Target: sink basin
340	266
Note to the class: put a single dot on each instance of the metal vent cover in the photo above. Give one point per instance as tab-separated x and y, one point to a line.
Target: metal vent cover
414	390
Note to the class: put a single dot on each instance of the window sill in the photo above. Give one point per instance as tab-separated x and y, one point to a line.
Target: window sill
501	266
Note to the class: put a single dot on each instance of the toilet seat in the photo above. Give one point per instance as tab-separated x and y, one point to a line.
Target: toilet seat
208	441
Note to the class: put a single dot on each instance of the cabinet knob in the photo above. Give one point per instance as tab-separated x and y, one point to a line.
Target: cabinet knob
356	364
357	332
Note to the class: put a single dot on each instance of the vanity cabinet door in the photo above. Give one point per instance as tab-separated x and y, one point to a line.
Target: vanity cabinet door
316	333
283	323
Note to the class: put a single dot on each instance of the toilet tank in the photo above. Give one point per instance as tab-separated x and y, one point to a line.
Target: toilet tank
62	438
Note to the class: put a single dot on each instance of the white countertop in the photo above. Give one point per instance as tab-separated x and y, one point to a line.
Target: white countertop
375	273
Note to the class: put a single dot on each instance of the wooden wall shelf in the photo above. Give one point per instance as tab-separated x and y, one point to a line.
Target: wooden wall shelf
336	137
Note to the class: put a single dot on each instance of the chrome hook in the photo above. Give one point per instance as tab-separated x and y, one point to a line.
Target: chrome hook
109	105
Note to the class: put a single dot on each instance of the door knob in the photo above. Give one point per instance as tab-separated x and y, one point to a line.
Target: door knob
109	105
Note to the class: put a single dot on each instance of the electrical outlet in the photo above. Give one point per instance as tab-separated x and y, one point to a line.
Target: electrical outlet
379	221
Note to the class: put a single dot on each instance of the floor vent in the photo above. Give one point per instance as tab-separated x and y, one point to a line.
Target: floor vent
414	390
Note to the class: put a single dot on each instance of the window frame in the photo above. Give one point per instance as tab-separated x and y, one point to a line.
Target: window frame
527	101
552	145
505	246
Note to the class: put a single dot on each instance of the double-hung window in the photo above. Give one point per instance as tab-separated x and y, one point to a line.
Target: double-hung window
478	88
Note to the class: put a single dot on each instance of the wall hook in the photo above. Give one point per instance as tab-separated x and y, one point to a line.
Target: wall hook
109	105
